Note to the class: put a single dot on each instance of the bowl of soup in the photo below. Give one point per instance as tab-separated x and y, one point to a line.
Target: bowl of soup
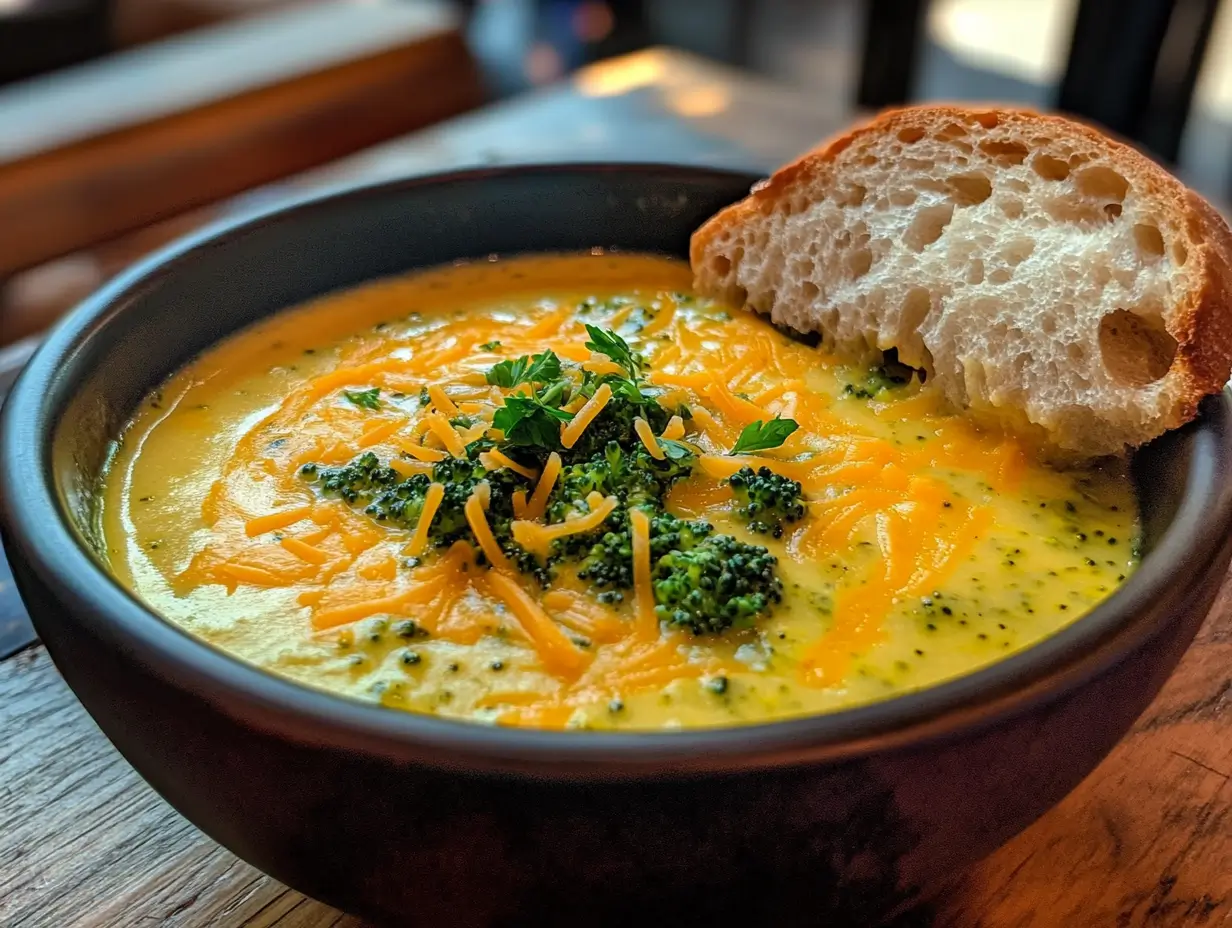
432	546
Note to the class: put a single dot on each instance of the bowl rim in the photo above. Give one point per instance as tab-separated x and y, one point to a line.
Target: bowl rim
39	529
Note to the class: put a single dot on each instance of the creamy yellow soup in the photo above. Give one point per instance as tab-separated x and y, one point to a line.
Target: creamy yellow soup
925	547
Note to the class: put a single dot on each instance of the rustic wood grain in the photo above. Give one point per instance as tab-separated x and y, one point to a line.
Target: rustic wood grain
1145	842
84	842
145	135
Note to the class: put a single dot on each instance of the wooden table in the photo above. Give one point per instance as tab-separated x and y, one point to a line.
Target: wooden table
1145	841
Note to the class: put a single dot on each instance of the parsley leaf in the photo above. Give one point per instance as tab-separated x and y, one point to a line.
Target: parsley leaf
675	450
367	399
758	436
627	387
607	342
509	373
526	421
629	390
539	369
544	368
490	346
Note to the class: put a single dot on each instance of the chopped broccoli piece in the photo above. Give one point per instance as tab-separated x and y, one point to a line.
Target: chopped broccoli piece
767	500
609	562
387	496
718	584
634	477
364	480
615	424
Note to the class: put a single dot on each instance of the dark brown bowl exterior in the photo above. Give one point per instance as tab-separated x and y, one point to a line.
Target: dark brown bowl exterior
841	819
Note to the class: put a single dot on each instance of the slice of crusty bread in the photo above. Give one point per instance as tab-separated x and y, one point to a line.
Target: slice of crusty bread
1039	272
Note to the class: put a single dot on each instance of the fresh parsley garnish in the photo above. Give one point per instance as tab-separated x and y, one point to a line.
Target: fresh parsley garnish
534	419
627	386
758	436
675	450
528	420
605	341
542	368
628	389
367	399
490	346
509	373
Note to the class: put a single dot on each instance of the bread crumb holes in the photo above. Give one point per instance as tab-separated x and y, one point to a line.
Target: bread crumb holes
1049	168
1136	348
928	225
1149	240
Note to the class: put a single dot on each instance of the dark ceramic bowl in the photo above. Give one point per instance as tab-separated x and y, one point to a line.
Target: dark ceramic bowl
835	819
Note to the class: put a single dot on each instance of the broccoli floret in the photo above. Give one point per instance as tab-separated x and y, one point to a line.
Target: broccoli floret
359	480
387	496
767	500
718	584
460	476
575	483
615	424
634	477
384	493
669	533
609	562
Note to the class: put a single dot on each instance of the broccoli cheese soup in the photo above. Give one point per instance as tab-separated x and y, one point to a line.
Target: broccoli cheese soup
563	492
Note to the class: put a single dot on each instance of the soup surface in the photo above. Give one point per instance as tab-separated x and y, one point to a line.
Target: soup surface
447	494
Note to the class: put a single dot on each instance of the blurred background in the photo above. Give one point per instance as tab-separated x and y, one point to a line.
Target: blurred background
126	122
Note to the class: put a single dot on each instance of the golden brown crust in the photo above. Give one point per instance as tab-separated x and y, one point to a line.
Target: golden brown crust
1204	336
1201	324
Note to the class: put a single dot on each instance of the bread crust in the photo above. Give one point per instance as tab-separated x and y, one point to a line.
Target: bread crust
1199	322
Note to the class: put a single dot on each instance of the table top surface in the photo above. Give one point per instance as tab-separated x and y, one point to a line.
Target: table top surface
1146	840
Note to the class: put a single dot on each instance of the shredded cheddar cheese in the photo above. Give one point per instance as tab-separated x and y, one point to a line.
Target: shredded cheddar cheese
446	434
519	504
537	538
642	427
558	652
478	522
422	452
441	401
305	552
375	436
573	429
497	458
394	603
276	520
432	502
410	468
674	429
543	489
739	410
599	364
